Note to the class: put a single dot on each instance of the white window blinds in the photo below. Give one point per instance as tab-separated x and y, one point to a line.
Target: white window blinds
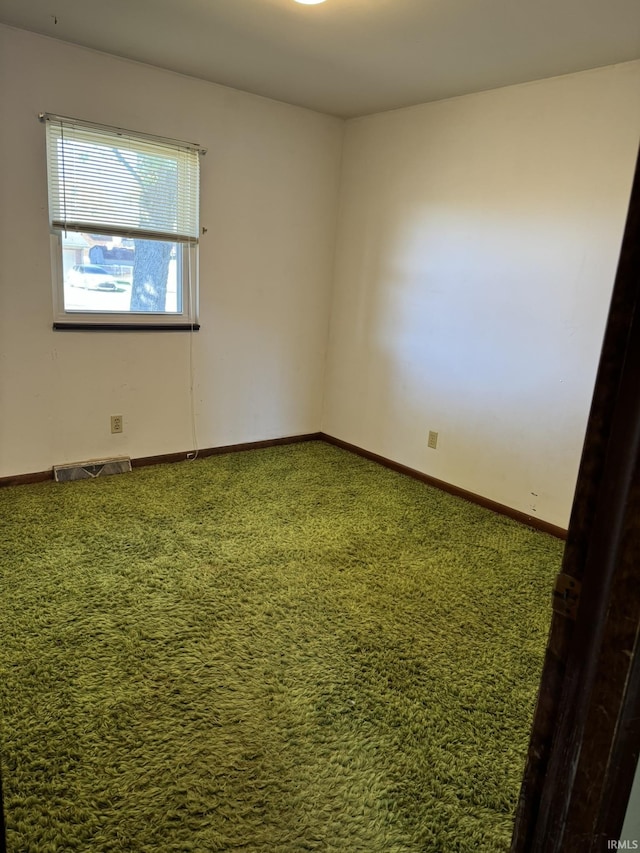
109	181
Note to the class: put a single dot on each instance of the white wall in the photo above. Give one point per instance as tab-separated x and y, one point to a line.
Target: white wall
478	243
269	194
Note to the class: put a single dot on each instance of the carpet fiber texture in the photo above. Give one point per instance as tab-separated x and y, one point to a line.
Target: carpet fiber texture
283	650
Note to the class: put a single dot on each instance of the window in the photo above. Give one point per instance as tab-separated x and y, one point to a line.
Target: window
123	211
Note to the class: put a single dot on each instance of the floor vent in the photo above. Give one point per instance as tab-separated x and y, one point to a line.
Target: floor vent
90	470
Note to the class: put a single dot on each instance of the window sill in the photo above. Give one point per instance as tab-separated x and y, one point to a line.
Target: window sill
126	327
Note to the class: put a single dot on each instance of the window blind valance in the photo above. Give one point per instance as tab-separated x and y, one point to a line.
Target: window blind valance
108	181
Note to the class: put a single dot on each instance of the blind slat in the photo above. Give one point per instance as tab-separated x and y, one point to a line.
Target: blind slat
108	182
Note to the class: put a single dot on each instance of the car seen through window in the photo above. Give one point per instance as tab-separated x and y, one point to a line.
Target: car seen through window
91	277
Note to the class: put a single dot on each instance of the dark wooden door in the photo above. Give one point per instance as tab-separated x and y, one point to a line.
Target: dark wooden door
586	731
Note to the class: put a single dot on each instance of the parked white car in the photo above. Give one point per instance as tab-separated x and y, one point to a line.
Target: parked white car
91	277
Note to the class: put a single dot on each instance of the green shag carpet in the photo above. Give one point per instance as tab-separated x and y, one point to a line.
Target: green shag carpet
275	651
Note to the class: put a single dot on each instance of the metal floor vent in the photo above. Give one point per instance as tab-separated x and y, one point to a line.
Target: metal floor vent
90	470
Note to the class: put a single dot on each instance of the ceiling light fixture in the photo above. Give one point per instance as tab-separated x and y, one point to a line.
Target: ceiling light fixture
309	2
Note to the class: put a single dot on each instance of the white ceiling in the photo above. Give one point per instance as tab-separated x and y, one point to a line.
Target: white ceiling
348	57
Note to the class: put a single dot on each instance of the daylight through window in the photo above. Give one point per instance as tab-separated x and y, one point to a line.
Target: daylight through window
123	212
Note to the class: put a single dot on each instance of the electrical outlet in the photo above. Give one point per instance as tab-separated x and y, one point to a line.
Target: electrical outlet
116	423
433	440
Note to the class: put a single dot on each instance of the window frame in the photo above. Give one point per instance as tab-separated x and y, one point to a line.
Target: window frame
99	320
187	319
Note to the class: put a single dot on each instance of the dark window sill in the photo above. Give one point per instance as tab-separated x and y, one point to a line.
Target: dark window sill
126	327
